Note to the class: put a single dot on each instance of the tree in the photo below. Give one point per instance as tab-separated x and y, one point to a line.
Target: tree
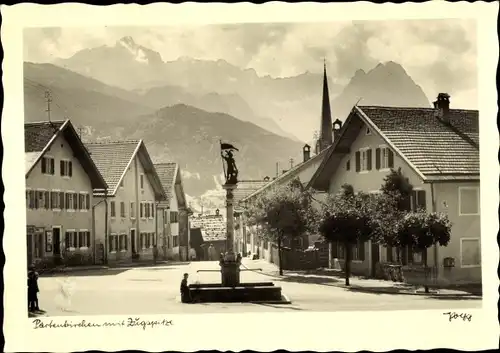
284	211
398	189
421	230
348	219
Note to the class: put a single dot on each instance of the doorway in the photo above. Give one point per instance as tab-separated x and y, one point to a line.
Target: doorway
56	241
132	241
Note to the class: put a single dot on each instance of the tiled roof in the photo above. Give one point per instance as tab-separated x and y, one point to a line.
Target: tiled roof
212	227
431	145
38	135
289	174
246	188
166	173
111	158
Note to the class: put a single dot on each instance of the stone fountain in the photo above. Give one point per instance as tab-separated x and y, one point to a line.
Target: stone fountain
230	289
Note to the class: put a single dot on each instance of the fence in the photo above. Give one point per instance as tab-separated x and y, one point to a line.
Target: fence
296	260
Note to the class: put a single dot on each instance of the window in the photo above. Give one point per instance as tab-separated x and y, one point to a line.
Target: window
113	242
470	252
174	215
132	210
348	165
143	240
122	209
384	158
71	239
71	201
368	131
358	251
66	168
122	243
468	201
364	160
83	239
142	210
152	210
84	201
297	242
151	240
337	251
146	209
112	209
142	181
41	199
418	200
47	164
121	183
175	241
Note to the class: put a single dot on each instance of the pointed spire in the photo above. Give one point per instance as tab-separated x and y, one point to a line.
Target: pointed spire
326	138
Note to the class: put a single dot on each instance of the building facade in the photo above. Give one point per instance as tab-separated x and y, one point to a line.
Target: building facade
438	151
60	177
126	213
174	224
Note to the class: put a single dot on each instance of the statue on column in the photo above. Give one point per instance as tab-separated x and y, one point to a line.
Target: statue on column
229	164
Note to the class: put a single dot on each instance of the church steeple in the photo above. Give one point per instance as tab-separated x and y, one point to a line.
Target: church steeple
325	136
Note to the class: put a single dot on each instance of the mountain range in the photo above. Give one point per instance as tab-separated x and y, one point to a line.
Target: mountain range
182	108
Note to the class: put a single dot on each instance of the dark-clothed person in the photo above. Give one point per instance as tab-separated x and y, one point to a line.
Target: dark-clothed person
185	292
33	289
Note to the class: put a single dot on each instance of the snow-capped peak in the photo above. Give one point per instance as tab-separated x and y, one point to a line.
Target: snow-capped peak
134	49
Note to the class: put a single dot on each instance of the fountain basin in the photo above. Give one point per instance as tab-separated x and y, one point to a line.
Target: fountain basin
260	292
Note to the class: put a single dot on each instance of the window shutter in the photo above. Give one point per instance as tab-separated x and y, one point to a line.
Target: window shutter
37	199
52	166
80	238
47	199
126	242
358	161
390	157
389	254
75	240
66	240
152	210
75	201
87	235
62	204
61	168
87	201
32	198
116	242
377	158
44	165
369	159
414	200
70	168
421	201
362	250
142	209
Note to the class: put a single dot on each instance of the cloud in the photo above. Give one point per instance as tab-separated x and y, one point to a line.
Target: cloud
439	55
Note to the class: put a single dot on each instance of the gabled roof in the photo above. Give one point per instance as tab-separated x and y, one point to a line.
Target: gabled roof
246	188
171	180
433	148
114	158
39	138
288	176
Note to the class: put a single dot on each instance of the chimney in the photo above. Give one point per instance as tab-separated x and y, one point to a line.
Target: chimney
306	151
337	125
277	169
442	105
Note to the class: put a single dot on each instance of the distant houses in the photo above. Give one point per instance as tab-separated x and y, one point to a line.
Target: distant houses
60	179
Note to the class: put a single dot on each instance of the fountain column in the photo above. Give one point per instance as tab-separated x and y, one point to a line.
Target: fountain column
230	263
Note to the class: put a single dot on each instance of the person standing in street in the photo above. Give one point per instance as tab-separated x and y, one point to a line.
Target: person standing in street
185	292
33	289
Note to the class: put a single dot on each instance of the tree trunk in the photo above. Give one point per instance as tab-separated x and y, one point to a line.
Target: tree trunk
424	258
347	247
280	257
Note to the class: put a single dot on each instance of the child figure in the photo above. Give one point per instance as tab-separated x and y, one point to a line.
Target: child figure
33	289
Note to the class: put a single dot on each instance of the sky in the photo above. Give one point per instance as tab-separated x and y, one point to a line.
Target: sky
440	55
